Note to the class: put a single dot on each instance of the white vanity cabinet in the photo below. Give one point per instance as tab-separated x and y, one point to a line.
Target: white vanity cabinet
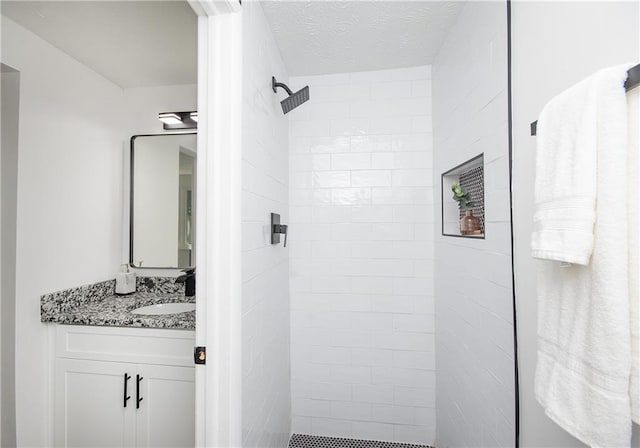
167	413
88	404
94	365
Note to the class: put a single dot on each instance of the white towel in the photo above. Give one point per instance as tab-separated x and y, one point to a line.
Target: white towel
582	374
633	103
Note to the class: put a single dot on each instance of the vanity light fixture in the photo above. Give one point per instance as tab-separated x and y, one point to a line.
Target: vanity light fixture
179	120
169	118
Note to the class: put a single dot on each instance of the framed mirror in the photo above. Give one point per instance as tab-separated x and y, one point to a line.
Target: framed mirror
163	201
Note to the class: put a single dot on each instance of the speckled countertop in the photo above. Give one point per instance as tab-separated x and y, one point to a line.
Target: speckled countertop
98	304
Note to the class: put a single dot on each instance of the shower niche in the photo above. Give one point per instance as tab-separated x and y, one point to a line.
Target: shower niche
463	199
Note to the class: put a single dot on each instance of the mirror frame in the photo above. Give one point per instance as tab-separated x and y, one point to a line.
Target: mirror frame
131	166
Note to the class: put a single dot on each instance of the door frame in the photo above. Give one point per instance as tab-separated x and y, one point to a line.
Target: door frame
218	223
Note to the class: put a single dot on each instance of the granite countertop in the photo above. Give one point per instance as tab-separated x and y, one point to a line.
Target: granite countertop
98	304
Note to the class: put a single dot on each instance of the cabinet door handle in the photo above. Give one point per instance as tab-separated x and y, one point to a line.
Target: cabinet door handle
138	397
126	381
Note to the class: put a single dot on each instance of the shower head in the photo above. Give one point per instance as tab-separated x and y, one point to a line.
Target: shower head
294	99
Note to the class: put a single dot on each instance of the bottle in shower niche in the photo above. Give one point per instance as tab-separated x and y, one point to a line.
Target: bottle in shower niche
125	281
469	224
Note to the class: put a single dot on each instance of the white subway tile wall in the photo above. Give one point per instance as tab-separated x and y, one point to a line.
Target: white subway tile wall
361	256
473	287
266	402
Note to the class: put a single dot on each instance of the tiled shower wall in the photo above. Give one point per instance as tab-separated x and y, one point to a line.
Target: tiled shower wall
474	311
266	404
361	256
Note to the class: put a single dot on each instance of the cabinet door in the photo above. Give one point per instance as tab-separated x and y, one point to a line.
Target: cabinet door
90	404
166	416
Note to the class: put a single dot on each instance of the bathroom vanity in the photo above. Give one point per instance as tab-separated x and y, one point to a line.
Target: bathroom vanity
123	387
122	378
123	365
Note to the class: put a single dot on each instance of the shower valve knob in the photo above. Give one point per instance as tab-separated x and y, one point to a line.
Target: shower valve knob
281	229
277	229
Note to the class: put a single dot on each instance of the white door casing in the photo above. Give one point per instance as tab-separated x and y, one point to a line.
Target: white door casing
218	246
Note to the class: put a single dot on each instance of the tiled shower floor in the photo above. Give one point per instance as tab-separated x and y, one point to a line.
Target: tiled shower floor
307	441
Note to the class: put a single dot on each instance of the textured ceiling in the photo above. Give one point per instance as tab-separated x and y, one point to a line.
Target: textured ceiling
319	37
131	43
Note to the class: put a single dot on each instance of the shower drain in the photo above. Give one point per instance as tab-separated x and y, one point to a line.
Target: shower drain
308	441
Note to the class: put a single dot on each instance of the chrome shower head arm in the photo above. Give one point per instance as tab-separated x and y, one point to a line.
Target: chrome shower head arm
275	84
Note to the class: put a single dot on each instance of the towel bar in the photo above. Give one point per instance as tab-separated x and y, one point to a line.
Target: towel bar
633	80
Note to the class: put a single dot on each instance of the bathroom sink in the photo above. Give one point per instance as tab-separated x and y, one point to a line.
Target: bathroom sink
165	308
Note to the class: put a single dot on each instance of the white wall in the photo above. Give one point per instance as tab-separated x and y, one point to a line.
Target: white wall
266	414
10	96
362	256
473	292
553	46
69	196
